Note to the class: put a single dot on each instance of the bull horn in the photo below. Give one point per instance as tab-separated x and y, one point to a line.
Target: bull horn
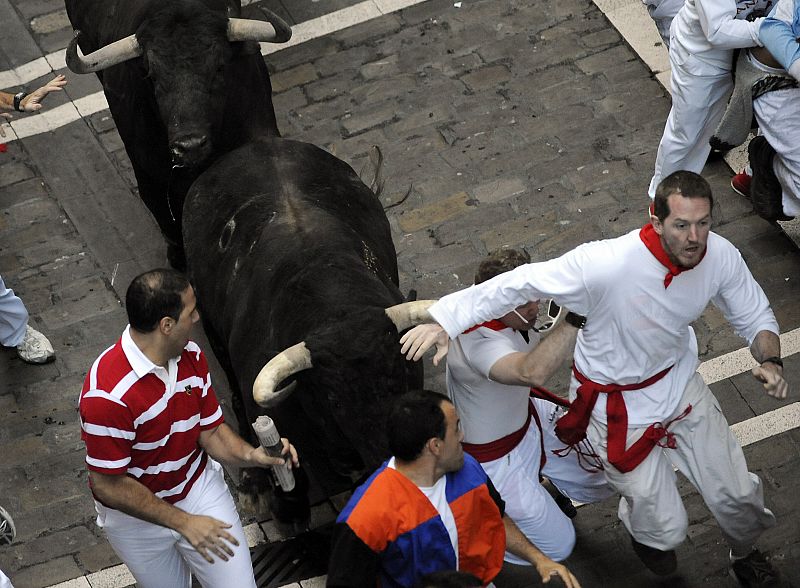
290	361
410	314
244	29
108	55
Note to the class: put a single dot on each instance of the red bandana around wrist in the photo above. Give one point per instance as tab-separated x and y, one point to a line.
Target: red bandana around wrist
652	241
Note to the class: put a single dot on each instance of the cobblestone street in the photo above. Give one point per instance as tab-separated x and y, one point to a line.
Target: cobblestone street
518	123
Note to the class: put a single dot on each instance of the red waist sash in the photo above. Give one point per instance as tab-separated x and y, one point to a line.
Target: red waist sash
496	449
571	428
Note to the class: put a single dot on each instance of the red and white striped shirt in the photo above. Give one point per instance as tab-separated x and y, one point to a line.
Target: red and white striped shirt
145	421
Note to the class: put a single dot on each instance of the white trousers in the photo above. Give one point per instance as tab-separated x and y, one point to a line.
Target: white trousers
699	95
162	558
13	319
711	458
778	117
528	503
530	506
566	473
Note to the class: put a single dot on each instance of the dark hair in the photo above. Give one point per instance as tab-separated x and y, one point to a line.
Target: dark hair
154	295
687	184
449	579
500	261
415	417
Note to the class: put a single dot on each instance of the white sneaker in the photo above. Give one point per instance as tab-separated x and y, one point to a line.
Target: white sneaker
7	529
35	348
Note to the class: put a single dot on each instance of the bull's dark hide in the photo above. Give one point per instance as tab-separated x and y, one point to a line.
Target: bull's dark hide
285	244
190	97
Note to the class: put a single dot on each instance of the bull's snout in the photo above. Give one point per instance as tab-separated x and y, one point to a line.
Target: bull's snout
190	151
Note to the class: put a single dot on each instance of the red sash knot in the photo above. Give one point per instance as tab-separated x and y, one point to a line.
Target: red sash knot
571	428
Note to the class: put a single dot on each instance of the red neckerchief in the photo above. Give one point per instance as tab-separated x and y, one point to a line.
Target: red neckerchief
652	241
494	325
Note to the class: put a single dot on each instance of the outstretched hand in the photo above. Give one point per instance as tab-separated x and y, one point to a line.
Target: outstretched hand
33	101
421	338
772	377
548	568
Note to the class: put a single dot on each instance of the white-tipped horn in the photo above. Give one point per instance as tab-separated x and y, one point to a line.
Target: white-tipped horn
108	55
410	314
290	361
244	29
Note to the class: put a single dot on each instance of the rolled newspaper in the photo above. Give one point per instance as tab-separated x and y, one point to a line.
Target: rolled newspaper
270	440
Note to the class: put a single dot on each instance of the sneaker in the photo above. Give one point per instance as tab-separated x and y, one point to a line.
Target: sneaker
35	348
755	571
661	563
7	529
741	184
765	190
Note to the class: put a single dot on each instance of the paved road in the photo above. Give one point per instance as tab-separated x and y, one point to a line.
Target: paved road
518	123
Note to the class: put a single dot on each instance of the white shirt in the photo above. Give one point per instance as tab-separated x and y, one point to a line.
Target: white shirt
635	327
710	29
488	410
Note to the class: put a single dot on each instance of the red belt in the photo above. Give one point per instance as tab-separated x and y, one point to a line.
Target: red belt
496	449
571	428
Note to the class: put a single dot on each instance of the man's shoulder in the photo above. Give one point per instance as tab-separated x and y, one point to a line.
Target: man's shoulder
108	369
372	493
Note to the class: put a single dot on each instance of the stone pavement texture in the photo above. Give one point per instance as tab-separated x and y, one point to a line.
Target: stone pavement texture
515	123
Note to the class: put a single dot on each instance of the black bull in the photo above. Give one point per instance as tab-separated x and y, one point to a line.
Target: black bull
286	244
184	95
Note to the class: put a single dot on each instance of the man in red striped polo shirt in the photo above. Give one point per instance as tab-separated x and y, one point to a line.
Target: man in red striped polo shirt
154	432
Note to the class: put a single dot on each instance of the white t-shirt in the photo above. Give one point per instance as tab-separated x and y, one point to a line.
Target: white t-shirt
635	327
488	410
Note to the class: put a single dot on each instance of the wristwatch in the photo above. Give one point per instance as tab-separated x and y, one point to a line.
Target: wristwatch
774	359
17	99
576	320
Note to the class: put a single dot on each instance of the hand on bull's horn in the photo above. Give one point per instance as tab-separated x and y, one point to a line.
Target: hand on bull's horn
421	338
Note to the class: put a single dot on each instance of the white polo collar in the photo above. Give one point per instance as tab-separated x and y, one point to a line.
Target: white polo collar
140	363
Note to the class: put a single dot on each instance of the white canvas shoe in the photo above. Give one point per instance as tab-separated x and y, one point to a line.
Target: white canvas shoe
35	348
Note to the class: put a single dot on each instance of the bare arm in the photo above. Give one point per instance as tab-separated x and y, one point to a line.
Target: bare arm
537	365
33	101
224	445
206	534
518	544
766	345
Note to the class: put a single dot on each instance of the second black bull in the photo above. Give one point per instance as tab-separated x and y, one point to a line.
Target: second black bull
292	260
